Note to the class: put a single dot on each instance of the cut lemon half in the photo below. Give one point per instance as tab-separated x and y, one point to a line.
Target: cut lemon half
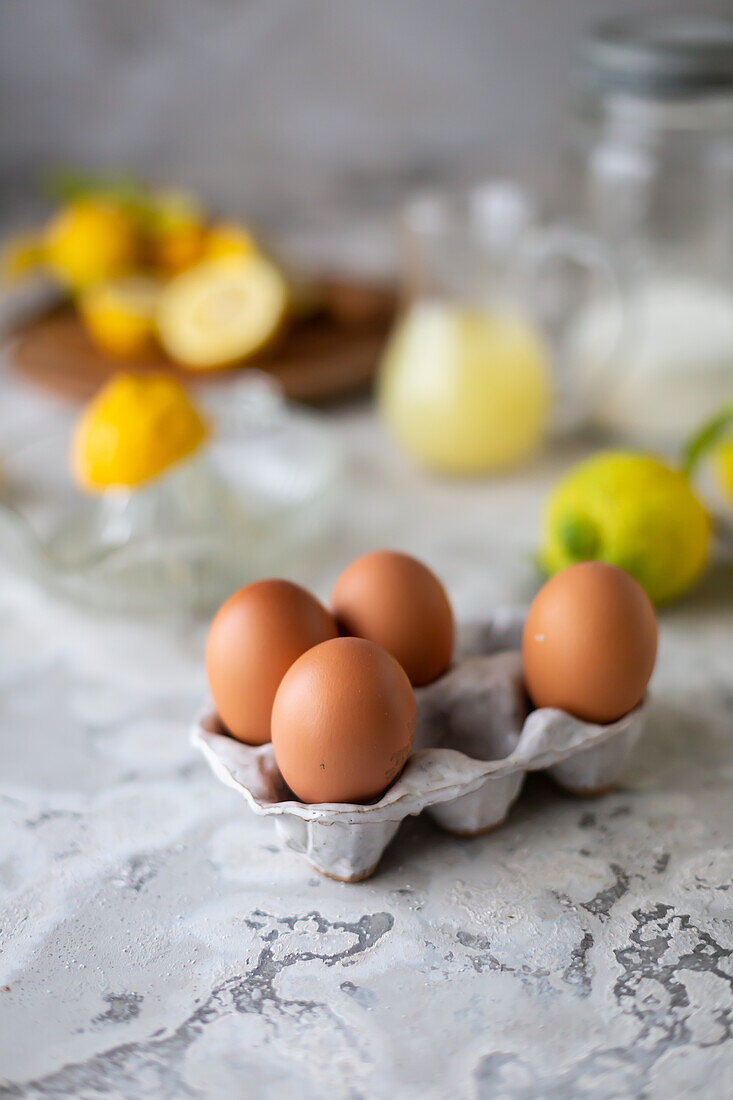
221	311
134	429
120	315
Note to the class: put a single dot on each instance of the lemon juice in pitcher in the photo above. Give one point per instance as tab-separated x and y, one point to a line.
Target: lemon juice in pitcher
476	369
464	389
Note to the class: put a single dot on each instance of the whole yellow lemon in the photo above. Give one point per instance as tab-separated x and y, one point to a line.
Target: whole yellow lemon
633	511
88	241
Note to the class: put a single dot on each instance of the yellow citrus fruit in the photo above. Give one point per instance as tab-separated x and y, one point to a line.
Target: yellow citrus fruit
136	427
221	311
120	315
229	239
633	511
175	249
175	231
88	241
21	256
724	466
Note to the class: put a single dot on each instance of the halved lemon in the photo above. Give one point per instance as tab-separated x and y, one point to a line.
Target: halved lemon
135	428
221	311
120	315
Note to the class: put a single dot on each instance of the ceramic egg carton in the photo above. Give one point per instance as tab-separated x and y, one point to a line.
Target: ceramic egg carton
476	741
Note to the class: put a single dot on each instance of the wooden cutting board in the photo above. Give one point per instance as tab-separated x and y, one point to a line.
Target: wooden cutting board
331	355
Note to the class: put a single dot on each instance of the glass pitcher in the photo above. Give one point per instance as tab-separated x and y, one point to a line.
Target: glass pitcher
476	371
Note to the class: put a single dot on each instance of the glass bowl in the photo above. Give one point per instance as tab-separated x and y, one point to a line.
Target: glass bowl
264	485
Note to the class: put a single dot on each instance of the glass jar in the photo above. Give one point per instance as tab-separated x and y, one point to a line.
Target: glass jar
653	174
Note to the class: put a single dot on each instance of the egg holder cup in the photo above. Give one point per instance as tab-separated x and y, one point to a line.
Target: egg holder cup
476	741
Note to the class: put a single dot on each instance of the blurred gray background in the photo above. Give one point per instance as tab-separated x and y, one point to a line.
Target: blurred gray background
290	109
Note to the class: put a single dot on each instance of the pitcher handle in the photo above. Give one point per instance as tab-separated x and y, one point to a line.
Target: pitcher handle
578	371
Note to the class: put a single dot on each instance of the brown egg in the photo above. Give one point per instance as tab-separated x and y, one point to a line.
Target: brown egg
254	639
395	601
343	722
590	643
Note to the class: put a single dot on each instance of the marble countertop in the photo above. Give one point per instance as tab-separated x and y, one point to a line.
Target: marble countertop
156	941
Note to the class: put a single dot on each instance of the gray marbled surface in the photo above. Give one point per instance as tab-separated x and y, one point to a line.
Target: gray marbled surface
155	941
